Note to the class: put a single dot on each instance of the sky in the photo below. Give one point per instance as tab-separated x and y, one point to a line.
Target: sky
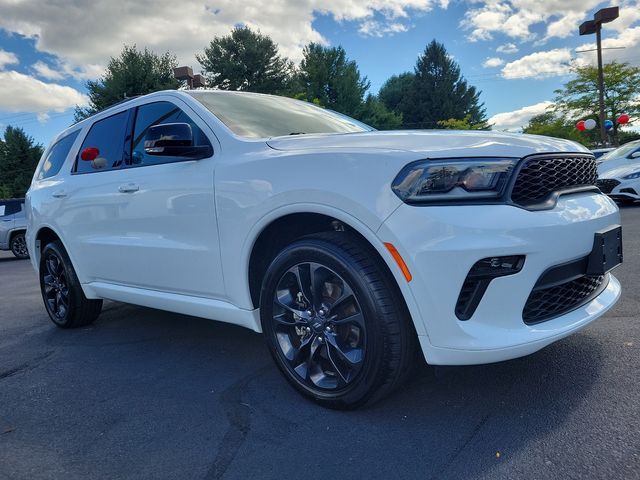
517	52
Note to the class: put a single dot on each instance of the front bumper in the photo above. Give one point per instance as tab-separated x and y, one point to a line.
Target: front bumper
441	244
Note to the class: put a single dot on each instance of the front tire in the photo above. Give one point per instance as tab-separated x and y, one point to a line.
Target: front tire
335	322
63	297
19	246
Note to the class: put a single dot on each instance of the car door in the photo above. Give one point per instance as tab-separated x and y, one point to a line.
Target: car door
160	230
6	222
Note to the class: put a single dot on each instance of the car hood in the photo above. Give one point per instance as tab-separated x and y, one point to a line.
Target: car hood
619	172
432	143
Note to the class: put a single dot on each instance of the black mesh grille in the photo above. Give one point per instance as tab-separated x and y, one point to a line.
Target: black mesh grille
607	185
541	176
547	303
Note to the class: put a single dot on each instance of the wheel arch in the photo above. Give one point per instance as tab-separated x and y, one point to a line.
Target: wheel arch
274	231
45	235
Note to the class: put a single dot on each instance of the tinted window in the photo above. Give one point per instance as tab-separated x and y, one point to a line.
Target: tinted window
263	116
108	137
56	156
10	208
159	113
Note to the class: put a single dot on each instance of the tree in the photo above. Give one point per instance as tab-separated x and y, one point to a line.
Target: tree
326	74
463	124
134	72
19	156
551	125
395	90
578	98
439	92
246	60
374	113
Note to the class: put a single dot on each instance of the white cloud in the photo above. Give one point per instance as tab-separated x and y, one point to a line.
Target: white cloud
23	93
515	120
539	65
7	58
515	18
507	48
45	71
99	29
492	62
374	28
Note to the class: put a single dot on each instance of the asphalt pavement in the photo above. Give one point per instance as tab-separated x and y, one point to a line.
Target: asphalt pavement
154	395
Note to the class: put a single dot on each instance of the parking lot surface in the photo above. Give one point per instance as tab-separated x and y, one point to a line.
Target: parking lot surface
149	394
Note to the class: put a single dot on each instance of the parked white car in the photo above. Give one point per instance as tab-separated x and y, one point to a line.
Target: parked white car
348	248
622	183
623	156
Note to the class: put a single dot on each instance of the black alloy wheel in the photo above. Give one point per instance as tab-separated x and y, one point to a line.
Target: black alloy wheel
319	326
335	322
19	246
62	293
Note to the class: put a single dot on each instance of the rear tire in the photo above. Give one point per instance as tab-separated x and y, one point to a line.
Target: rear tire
353	342
62	294
19	246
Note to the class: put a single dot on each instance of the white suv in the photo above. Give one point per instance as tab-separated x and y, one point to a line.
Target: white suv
351	249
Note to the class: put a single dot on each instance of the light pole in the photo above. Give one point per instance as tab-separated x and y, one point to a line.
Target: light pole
590	27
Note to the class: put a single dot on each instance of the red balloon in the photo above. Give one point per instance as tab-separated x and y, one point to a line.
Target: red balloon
580	126
624	118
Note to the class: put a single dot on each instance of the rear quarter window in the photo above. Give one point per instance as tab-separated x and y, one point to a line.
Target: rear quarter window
56	157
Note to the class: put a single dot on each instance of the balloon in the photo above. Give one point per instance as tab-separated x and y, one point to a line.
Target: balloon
590	124
580	125
624	118
608	124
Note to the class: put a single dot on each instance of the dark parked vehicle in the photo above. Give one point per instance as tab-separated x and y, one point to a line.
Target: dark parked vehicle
13	226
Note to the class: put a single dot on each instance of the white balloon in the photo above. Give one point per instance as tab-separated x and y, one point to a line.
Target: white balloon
590	124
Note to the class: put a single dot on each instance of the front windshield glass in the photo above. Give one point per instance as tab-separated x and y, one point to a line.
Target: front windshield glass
264	116
622	151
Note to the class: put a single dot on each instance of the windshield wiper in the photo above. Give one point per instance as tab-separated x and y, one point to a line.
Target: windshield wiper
297	133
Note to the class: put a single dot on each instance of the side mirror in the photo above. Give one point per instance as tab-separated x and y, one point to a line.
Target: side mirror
174	140
635	154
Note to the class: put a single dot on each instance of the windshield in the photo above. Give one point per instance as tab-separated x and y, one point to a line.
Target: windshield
264	116
622	151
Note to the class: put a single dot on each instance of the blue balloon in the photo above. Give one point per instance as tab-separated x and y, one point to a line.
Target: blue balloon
608	124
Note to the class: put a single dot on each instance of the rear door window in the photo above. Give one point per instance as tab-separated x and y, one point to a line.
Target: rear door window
56	156
108	137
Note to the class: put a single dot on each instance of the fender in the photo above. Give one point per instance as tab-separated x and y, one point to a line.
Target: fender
344	217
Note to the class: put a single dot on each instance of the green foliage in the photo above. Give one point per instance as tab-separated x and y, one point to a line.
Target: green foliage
550	125
439	92
464	124
374	113
246	60
395	91
134	72
578	98
326	74
19	156
625	137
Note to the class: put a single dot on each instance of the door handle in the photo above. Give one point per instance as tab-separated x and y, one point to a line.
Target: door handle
59	194
128	188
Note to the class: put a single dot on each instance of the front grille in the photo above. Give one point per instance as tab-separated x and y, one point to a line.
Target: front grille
606	185
547	303
539	177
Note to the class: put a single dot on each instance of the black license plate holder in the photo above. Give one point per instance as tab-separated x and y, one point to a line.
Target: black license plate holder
607	251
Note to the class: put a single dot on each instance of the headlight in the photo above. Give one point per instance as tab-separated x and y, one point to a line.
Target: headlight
454	179
631	176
